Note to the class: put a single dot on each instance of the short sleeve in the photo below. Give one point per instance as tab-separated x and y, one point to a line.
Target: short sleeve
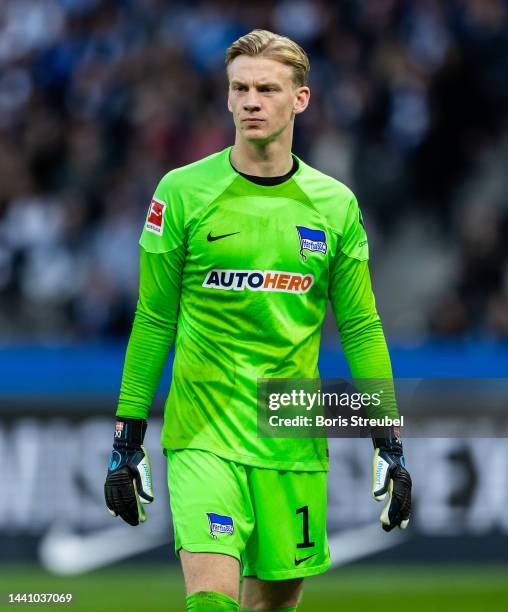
164	228
354	241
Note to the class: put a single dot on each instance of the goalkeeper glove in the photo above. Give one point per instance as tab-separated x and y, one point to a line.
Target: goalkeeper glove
390	479
129	480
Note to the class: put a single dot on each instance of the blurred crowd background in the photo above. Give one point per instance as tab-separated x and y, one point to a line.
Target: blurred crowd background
99	99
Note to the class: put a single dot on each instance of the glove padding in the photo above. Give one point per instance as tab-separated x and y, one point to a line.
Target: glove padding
128	483
391	482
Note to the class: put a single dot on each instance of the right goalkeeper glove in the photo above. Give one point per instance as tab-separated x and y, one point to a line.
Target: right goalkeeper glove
391	481
129	480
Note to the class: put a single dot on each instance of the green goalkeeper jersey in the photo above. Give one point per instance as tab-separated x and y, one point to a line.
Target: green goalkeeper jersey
239	275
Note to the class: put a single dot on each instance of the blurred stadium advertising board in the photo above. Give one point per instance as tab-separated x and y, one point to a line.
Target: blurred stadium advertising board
56	415
54	507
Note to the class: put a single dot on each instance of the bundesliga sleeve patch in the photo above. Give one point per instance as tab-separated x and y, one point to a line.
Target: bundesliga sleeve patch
155	218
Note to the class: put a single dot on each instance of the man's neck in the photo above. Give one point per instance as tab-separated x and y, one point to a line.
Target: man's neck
272	159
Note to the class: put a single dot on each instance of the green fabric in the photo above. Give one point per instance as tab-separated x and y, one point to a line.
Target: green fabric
247	306
210	601
264	530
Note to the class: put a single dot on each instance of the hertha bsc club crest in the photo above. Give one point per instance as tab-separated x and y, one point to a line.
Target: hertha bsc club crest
219	523
311	240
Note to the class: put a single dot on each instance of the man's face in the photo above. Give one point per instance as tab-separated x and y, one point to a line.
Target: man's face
263	97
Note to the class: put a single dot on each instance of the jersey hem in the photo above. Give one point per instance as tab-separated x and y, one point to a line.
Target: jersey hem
292	466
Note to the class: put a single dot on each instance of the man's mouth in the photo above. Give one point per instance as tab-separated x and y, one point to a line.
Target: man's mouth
252	121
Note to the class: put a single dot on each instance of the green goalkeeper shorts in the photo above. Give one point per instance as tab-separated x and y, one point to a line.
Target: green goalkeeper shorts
272	521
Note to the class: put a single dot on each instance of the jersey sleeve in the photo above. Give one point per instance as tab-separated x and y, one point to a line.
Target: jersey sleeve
355	311
162	255
164	228
354	243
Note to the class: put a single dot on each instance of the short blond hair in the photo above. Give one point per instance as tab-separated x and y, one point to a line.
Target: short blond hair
273	46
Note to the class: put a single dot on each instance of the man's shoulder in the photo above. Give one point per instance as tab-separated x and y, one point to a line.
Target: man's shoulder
334	200
317	183
203	172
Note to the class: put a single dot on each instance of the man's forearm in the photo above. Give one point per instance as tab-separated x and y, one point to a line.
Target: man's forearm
361	332
147	353
153	331
365	348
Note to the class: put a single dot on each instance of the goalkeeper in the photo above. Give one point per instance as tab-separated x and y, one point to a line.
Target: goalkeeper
240	253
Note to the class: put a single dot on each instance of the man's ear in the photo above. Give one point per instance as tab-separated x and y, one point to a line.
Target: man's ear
230	108
302	99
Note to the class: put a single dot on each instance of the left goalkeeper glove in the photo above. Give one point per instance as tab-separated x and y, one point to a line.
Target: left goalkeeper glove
129	480
390	479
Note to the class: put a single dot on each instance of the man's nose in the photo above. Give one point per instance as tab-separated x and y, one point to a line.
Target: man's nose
251	102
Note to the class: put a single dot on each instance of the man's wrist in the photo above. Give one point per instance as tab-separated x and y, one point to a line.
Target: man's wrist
387	439
129	432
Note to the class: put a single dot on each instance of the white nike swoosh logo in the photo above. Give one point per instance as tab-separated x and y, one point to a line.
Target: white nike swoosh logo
353	544
64	552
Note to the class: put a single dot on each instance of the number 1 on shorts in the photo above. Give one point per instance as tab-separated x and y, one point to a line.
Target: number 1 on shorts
304	510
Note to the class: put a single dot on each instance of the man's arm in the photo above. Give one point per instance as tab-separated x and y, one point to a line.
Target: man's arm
129	479
162	256
365	347
357	319
153	330
354	307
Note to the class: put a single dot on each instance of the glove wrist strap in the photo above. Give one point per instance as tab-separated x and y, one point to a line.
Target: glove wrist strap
129	432
387	439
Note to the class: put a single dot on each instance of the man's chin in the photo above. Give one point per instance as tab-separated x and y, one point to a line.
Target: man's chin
257	136
254	133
